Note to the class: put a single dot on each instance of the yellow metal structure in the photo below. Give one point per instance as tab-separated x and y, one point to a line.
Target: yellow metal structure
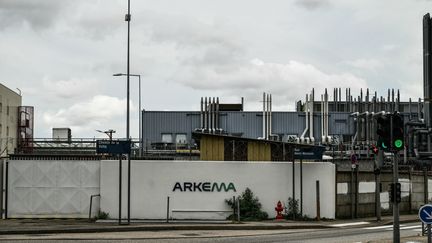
212	148
259	151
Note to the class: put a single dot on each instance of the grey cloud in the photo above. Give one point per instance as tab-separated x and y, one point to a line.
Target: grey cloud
38	14
200	43
312	4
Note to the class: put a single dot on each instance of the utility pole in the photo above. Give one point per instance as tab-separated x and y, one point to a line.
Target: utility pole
396	228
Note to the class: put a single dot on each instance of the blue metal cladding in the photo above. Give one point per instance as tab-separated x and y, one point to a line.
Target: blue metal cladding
248	124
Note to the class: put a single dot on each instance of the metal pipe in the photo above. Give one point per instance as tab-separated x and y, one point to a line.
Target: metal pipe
6	190
210	115
350	99
322	120
168	209
128	19
201	114
293	184
419	116
388	100
311	119
326	114
346	100
398	101
212	108
205	114
318	204
301	182
410	112
91	203
270	115
120	189
217	115
264	116
307	120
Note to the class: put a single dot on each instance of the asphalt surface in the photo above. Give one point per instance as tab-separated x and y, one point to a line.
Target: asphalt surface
362	230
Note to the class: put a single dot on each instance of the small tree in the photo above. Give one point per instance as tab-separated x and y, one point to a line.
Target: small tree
293	209
250	207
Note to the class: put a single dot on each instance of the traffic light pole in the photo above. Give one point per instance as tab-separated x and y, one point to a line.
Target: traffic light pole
396	233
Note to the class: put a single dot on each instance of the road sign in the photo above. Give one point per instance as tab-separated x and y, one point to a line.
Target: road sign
425	214
113	146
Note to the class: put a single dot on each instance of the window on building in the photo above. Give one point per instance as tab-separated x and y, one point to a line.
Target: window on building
7	110
167	138
7	131
181	138
1	107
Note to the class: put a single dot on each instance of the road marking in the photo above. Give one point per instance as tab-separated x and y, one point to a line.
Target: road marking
379	227
411	227
349	224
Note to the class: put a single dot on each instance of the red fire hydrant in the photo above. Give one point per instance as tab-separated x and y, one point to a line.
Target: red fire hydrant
279	208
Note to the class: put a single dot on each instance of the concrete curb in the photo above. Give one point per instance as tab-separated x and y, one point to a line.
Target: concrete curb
157	228
173	227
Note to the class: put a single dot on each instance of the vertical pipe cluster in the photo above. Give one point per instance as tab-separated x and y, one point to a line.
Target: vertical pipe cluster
309	119
363	108
267	116
325	115
210	115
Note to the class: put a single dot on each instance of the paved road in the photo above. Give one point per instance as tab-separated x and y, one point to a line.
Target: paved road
341	233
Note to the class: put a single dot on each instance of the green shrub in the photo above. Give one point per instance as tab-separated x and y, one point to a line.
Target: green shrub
250	207
293	211
102	215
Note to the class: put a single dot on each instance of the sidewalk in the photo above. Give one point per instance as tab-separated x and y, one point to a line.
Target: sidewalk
51	226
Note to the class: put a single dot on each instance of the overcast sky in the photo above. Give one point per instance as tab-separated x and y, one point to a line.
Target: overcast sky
62	54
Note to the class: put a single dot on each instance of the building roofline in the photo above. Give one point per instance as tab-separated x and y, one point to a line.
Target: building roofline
10	89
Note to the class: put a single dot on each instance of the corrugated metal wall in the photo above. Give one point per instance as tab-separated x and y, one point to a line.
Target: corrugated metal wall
248	124
212	148
259	151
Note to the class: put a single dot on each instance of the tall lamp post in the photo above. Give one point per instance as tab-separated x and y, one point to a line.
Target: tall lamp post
127	19
139	108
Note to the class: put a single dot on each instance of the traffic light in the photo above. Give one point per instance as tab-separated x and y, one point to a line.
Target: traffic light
398	192
398	132
383	132
374	149
392	192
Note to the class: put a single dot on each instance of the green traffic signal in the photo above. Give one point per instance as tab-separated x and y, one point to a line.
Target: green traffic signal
383	145
398	143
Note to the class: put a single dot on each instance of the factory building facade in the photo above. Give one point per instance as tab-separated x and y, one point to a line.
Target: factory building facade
10	101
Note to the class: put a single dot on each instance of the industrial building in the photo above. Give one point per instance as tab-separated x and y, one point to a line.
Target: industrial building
349	123
10	102
263	150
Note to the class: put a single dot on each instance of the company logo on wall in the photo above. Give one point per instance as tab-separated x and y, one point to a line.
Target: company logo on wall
204	187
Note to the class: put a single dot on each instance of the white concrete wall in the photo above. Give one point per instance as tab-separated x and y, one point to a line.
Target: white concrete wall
52	188
153	181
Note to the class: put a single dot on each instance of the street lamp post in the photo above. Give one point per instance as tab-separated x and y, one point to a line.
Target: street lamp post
141	150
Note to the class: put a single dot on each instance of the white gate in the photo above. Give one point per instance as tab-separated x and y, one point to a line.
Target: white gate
52	188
